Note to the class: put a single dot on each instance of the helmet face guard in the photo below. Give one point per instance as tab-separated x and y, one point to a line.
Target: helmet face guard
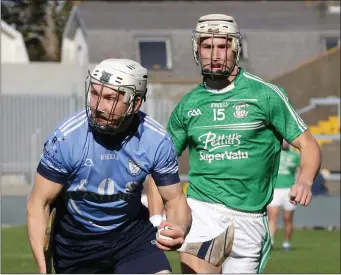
206	63
113	122
214	26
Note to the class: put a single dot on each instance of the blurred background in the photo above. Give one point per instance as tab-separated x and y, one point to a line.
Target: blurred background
47	48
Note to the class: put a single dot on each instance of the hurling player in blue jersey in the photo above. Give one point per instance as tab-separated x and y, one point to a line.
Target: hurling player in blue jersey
92	169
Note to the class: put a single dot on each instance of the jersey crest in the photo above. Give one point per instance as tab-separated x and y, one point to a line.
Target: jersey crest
134	169
241	110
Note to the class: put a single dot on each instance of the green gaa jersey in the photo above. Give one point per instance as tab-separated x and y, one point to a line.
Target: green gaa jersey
289	162
234	137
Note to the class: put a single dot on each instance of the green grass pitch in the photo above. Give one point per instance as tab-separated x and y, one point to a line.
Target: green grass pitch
313	252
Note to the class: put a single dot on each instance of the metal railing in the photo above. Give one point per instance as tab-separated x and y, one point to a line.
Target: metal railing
27	121
326	101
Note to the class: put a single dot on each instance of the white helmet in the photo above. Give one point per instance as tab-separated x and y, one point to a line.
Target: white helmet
217	25
123	75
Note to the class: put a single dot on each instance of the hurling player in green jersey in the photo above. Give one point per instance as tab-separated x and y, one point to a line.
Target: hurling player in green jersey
288	170
233	124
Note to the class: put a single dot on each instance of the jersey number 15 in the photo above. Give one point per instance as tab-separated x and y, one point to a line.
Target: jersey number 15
218	114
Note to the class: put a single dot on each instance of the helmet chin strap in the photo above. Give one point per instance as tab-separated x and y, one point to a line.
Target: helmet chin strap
119	130
125	125
218	76
218	80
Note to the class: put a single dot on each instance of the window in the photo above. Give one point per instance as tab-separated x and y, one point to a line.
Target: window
331	42
155	54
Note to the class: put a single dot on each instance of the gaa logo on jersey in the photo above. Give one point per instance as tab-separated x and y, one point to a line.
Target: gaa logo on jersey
194	112
240	110
133	168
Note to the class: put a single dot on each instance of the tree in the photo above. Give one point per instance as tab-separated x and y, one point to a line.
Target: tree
41	23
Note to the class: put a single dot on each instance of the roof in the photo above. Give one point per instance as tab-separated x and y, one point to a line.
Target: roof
74	21
183	14
9	30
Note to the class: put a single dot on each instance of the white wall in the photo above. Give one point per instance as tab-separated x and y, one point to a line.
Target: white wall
43	78
13	49
75	50
81	48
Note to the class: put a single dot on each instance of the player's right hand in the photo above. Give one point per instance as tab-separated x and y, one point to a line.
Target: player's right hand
176	236
300	193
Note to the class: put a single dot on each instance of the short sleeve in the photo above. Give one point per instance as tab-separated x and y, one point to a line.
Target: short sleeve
54	164
177	129
165	170
283	116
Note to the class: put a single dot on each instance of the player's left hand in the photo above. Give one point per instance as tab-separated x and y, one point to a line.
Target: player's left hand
176	236
300	193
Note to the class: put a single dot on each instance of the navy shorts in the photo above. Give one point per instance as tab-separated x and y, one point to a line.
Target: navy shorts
133	252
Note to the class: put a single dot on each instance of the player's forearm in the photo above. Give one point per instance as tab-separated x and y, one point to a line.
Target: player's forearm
155	202
310	162
37	216
178	212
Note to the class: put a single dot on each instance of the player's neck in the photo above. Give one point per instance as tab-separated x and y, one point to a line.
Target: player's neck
126	131
222	84
216	85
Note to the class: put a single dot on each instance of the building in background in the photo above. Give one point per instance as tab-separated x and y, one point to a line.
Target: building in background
277	35
13	49
74	44
279	39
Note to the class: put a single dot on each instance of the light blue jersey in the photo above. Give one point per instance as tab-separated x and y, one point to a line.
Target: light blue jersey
103	175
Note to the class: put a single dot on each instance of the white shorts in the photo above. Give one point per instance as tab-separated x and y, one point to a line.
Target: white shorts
252	243
281	199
